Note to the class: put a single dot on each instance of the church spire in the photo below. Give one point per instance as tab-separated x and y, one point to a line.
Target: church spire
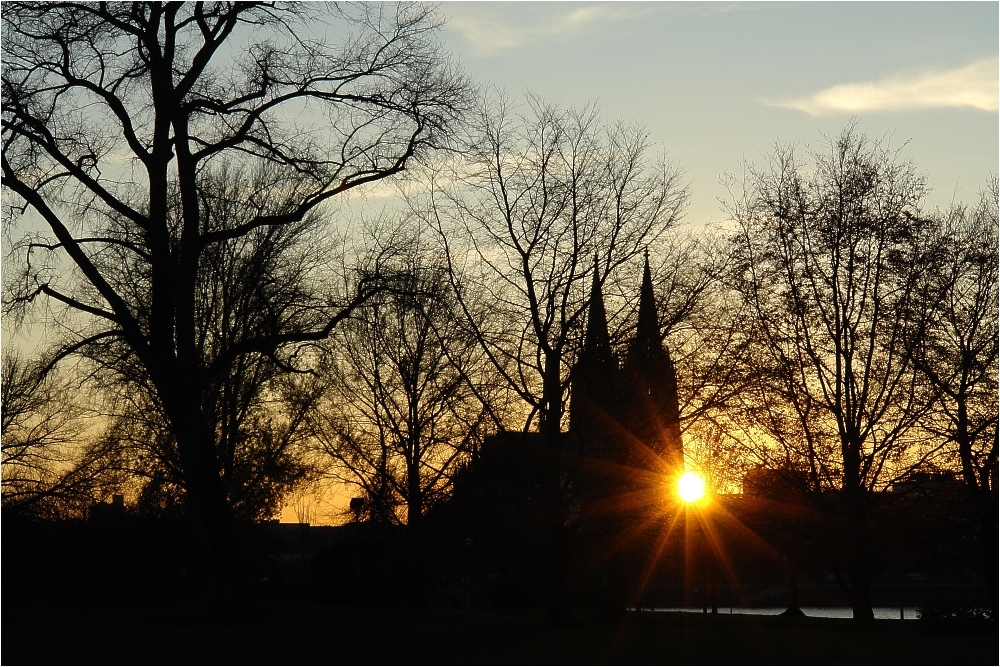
594	399
597	343
648	325
655	416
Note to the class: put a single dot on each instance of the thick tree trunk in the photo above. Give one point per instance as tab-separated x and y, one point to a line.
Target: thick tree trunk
414	496
414	509
859	588
861	599
207	508
856	514
794	604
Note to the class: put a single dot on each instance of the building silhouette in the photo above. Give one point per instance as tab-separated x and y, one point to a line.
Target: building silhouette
626	413
620	456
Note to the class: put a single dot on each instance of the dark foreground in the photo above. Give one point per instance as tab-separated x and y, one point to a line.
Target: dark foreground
300	634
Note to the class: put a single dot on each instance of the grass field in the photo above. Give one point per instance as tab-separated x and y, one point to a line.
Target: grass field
302	634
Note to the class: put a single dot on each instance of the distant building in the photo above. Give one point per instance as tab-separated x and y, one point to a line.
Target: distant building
774	483
296	543
930	485
108	512
624	425
622	448
623	414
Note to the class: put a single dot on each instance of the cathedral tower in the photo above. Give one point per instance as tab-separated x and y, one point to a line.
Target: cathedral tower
653	415
594	406
628	414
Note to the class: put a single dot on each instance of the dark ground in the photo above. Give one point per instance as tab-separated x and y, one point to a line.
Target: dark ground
285	634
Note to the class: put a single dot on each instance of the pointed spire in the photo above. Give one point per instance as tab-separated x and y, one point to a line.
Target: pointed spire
655	417
647	333
597	343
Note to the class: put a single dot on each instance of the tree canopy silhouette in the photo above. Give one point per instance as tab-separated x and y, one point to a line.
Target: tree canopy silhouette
830	262
114	114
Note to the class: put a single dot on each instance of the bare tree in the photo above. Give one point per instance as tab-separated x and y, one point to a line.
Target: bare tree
958	355
266	281
831	265
401	412
52	460
538	197
110	110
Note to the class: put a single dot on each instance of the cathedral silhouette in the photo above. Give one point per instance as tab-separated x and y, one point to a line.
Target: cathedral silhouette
626	414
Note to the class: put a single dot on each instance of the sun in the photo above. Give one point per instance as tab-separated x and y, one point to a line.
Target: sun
691	487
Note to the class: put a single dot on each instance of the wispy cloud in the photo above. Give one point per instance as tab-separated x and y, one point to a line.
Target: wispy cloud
492	30
973	86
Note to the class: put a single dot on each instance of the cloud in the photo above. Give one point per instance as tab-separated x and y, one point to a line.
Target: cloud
493	32
973	86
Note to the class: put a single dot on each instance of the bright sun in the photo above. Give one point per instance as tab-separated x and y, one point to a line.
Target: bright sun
690	487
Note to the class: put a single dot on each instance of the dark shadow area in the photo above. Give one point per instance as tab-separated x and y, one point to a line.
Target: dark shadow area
328	634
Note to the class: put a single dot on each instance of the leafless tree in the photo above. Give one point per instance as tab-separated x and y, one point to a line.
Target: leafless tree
831	264
958	354
53	461
112	110
265	281
402	410
538	197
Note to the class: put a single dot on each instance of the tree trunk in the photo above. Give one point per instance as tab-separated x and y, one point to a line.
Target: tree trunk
414	496
860	582
414	509
713	588
856	516
861	599
794	603
206	503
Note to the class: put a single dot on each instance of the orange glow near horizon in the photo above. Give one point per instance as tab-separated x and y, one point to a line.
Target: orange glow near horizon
691	487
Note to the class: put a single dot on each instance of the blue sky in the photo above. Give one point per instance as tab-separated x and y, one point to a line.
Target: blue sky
719	82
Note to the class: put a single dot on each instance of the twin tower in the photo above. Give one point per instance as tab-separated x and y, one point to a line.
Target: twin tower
626	414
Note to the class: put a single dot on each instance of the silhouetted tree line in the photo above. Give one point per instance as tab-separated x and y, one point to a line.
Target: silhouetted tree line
218	342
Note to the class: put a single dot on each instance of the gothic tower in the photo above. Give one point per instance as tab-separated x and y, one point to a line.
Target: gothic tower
628	414
653	413
594	407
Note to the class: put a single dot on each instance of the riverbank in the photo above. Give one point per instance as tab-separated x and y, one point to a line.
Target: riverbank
303	634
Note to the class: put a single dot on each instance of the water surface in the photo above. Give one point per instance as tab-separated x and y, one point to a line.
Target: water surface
889	613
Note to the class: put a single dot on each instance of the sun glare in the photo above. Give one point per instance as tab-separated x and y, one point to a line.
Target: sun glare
691	487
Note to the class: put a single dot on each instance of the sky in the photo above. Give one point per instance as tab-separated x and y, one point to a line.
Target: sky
717	83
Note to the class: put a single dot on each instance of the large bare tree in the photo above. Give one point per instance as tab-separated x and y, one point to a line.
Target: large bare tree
264	281
111	110
832	259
